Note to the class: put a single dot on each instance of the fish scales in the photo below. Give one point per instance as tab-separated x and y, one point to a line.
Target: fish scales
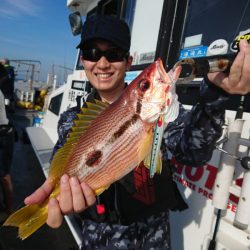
102	128
116	141
119	161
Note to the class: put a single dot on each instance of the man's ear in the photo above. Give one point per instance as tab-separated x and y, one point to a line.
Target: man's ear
129	62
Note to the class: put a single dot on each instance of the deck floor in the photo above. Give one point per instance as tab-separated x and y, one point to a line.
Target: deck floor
27	176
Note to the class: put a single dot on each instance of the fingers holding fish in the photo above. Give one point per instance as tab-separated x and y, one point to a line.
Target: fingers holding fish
82	195
74	196
65	198
90	197
55	217
40	194
78	199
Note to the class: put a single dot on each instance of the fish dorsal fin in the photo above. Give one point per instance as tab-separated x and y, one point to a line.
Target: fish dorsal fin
98	105
86	116
79	129
103	104
81	124
72	140
89	111
60	160
75	134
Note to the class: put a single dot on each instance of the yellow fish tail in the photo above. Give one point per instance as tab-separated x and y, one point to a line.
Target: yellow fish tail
28	219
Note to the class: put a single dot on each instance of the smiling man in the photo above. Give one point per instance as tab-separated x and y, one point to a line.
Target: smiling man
124	217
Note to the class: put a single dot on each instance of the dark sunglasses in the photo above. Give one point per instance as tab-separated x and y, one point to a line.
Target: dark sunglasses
112	54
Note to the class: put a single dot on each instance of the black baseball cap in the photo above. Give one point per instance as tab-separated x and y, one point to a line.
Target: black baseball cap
106	27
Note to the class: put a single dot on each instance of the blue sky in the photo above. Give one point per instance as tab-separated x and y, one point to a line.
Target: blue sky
37	30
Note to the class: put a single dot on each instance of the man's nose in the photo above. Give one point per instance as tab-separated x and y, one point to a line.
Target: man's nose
103	62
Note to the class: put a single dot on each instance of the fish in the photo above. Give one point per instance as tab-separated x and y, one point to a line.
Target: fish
107	141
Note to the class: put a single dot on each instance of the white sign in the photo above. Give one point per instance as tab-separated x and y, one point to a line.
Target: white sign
147	57
218	47
191	41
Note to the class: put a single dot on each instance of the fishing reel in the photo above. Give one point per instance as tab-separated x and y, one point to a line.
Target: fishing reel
201	66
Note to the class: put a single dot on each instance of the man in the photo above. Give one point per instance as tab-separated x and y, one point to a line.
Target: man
122	218
7	86
6	149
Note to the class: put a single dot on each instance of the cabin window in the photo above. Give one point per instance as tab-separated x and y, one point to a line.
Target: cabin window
212	27
79	65
55	104
124	9
144	26
145	29
78	85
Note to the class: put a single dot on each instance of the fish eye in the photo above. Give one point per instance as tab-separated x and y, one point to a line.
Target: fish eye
144	85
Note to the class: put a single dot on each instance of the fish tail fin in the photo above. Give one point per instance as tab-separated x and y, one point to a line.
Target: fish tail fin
28	219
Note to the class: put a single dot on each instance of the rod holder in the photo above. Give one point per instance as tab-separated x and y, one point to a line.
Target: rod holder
227	164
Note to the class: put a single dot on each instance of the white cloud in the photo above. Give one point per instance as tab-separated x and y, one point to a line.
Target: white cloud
5	12
14	42
17	8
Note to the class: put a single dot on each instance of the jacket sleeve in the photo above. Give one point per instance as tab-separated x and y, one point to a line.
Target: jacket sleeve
192	136
65	123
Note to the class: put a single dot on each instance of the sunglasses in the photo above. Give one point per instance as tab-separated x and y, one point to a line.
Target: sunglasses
112	54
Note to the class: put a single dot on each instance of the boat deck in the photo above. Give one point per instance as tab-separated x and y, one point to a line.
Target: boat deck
27	175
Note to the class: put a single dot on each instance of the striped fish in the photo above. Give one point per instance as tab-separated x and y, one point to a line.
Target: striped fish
107	141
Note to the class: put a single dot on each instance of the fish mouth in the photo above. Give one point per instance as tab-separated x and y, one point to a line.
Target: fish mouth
157	103
153	118
152	110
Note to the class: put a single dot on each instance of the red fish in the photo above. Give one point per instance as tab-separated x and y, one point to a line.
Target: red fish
107	141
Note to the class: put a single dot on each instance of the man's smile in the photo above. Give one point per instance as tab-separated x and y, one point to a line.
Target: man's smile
103	76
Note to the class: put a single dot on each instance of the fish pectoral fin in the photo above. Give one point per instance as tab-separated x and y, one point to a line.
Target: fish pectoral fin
145	146
146	161
101	190
158	166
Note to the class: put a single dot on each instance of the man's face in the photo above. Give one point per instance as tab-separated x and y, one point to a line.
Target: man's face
104	75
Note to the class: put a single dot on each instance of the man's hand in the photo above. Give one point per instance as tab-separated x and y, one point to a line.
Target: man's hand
74	197
238	80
